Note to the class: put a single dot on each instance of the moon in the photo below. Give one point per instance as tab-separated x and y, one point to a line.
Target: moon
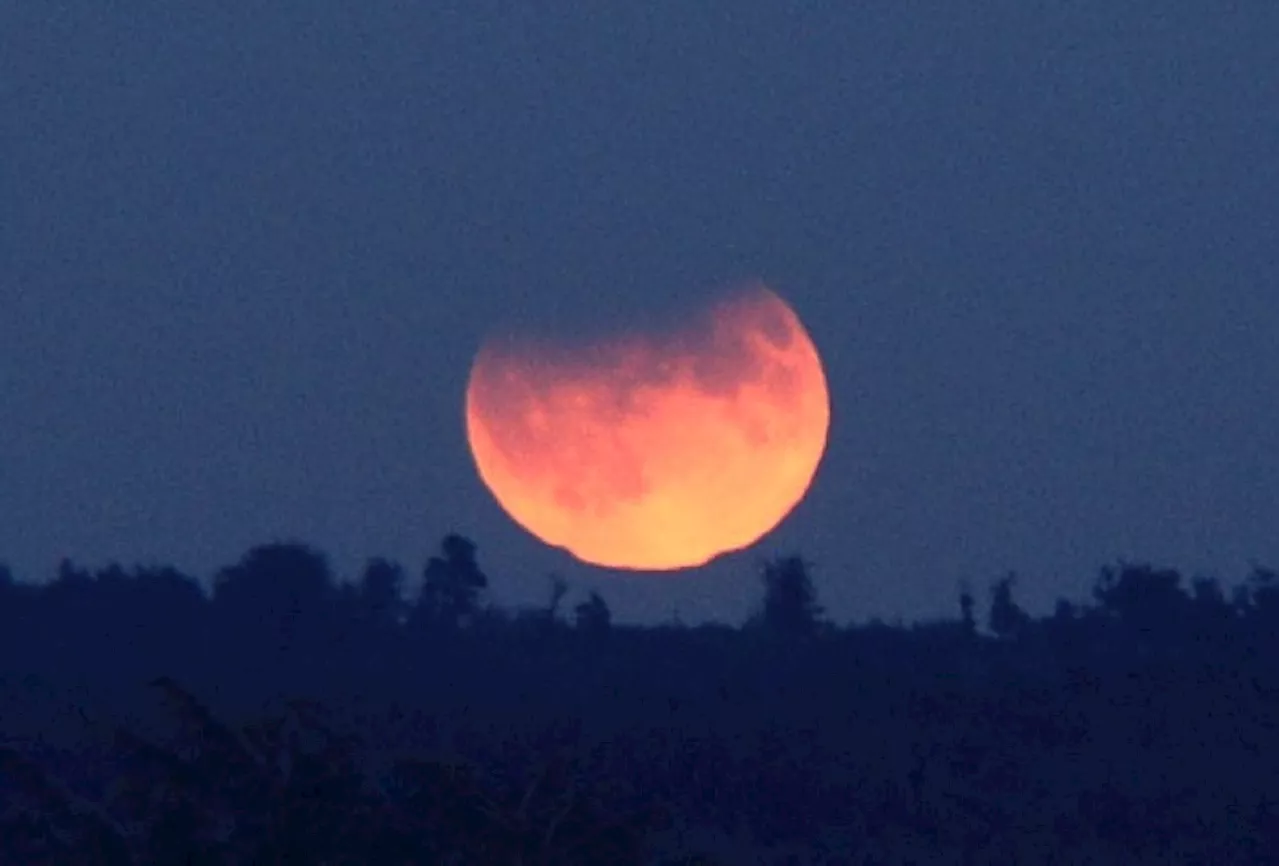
654	451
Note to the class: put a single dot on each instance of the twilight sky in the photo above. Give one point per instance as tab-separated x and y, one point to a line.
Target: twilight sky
246	259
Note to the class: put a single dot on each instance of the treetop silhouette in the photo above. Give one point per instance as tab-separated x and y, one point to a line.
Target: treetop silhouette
351	722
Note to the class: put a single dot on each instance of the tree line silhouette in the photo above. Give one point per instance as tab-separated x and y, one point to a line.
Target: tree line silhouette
286	716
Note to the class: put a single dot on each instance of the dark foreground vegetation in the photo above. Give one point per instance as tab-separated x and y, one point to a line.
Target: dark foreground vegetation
289	718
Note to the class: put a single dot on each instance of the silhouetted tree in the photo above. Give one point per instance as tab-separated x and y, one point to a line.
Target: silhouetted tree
1255	604
71	601
558	587
593	615
451	584
967	619
152	617
72	584
790	603
1064	627
381	592
1258	594
1146	600
169	587
1212	612
1208	592
8	609
9	603
1006	619
279	589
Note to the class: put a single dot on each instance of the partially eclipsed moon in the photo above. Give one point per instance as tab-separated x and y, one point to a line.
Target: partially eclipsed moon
654	452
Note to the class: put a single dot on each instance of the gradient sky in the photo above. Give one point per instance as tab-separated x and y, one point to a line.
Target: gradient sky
246	259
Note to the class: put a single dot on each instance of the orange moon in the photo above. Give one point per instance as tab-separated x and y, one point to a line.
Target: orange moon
654	452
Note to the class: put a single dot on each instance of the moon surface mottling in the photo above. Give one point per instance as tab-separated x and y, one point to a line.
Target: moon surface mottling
654	451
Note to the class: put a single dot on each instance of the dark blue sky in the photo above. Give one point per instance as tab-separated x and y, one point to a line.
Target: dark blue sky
245	260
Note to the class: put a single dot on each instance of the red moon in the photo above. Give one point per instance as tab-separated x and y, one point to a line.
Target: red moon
654	451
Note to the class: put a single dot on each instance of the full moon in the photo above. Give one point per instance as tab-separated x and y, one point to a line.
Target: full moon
654	451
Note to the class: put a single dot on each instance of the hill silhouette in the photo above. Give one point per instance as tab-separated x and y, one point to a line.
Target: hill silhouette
288	716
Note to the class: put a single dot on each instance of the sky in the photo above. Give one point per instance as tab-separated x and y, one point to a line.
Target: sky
246	260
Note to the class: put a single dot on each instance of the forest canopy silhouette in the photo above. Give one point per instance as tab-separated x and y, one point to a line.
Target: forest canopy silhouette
404	717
